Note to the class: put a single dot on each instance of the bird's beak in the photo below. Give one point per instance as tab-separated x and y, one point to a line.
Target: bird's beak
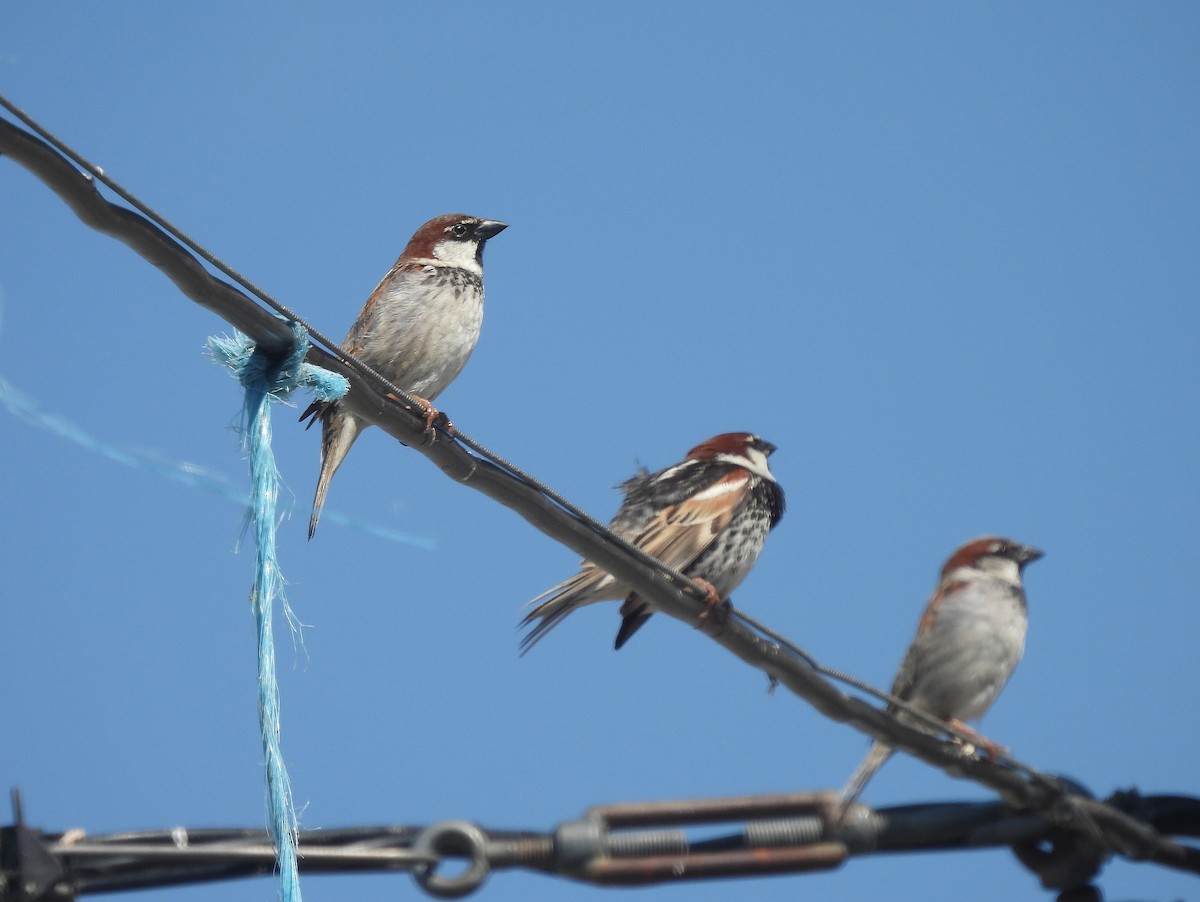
767	448
489	228
1029	554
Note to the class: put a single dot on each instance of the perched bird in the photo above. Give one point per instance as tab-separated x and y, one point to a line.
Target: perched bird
707	517
417	329
968	643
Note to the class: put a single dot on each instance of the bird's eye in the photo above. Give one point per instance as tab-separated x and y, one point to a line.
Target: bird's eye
459	229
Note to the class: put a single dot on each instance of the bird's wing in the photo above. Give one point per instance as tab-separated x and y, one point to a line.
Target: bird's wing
914	660
680	532
675	527
398	279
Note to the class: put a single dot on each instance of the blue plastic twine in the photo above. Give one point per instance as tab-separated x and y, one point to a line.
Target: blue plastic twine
267	378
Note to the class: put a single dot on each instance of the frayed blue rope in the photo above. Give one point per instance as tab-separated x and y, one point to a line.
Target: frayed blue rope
280	377
268	378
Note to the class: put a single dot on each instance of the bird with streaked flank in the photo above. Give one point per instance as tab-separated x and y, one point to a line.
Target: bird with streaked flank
968	643
707	516
417	329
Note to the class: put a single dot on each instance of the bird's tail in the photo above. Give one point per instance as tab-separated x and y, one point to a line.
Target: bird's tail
875	759
339	429
634	614
555	603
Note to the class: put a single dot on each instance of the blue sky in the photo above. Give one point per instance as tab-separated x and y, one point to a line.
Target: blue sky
944	257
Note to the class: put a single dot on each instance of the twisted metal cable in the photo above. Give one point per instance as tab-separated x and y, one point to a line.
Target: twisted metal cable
673	576
455	434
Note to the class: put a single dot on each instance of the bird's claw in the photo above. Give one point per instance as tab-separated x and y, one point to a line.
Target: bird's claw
713	604
430	413
976	740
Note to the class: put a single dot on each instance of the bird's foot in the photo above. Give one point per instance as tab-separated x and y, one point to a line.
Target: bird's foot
991	750
713	604
430	413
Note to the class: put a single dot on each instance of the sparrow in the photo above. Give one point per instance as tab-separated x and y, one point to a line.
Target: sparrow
707	517
417	329
968	643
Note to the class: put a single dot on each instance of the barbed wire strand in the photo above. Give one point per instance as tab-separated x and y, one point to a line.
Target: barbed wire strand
673	594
